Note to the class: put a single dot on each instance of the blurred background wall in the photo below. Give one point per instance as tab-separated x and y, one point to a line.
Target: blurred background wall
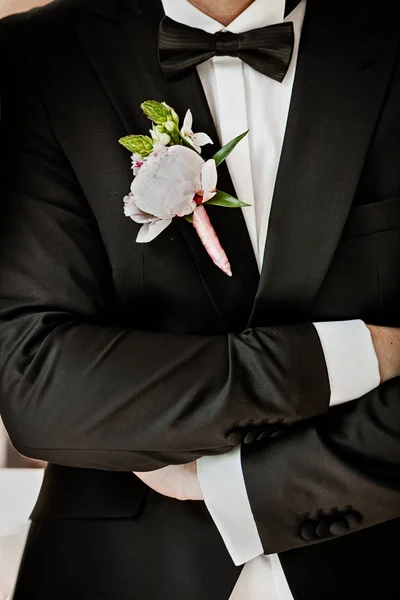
7	7
8	456
20	478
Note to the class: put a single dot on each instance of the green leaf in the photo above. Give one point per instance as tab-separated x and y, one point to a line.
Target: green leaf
138	144
223	199
189	218
222	154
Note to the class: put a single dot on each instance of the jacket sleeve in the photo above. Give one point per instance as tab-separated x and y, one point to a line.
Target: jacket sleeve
77	390
330	477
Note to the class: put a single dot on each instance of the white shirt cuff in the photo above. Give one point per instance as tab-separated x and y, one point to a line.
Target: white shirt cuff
353	371
224	490
350	357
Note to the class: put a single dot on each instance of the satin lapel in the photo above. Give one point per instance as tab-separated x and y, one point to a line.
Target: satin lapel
120	43
344	65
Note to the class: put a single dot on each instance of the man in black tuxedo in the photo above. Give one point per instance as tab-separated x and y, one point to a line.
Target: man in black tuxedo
119	357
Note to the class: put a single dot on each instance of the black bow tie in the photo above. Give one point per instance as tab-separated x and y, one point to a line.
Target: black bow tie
268	49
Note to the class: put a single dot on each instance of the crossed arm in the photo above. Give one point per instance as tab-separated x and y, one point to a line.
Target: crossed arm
77	390
182	482
246	509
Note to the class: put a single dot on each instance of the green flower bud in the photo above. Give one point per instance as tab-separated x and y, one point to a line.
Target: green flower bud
170	126
173	116
158	134
156	112
138	144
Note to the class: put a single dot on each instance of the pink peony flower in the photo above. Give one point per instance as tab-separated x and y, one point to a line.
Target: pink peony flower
168	185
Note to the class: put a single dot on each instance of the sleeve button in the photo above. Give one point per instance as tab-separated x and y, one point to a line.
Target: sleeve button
353	520
251	437
235	438
308	532
262	436
323	529
339	528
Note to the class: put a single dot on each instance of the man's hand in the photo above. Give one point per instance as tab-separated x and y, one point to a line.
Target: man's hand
386	342
177	481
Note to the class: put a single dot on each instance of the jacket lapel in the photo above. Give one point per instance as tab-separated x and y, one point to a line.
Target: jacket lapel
119	38
344	66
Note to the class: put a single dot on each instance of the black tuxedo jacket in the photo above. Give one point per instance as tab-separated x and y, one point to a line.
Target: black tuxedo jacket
117	356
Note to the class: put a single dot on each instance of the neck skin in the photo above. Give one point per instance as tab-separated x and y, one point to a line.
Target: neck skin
223	11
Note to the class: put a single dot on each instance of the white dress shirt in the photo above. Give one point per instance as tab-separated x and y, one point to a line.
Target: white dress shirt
241	98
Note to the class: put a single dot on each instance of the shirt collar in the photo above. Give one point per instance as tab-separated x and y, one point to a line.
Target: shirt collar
259	14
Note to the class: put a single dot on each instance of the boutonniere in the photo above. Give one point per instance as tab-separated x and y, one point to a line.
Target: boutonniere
172	180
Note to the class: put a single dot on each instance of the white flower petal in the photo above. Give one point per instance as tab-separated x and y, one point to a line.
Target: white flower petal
187	123
150	231
187	164
191	142
158	149
139	216
201	139
132	211
208	195
209	178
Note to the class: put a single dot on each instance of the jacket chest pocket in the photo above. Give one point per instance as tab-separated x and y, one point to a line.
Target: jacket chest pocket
363	280
374	217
